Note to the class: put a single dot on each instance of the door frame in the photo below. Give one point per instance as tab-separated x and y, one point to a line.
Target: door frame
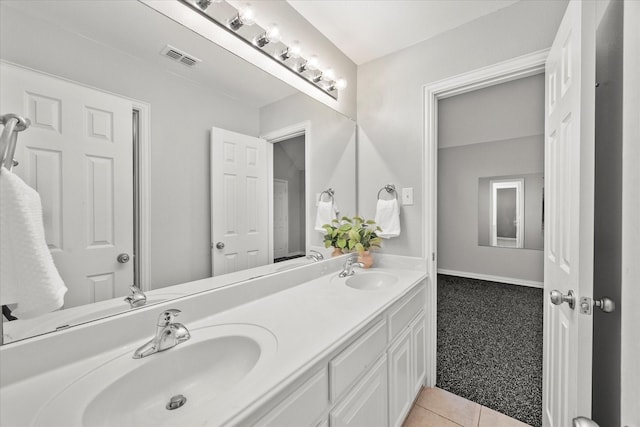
518	185
286	231
502	72
142	186
288	132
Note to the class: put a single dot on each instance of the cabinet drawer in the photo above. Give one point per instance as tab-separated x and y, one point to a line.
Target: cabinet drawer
404	311
303	407
356	359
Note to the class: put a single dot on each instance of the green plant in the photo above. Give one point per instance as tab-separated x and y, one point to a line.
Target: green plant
352	234
335	234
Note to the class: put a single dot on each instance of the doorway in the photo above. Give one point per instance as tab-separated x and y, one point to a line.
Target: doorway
289	211
490	143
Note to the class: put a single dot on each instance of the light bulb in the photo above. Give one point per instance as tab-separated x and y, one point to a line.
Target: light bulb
273	34
313	63
247	15
295	50
341	83
329	74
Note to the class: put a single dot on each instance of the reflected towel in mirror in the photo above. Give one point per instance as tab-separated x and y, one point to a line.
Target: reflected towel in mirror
388	218
28	275
326	212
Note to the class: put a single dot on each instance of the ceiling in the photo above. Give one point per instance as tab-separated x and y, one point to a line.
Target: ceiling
368	29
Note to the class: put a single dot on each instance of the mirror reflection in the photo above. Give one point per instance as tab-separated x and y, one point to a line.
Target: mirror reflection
125	105
510	211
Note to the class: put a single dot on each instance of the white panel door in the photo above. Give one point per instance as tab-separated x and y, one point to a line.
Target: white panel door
239	202
568	253
280	218
78	155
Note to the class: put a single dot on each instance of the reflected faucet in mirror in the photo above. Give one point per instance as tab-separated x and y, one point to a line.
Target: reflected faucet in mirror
315	256
137	297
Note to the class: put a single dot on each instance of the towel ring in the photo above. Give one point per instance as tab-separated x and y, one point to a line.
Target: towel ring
390	189
329	193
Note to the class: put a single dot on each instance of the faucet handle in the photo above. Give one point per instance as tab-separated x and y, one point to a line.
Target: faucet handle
167	316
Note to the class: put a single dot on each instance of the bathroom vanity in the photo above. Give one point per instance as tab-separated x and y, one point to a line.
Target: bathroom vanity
301	347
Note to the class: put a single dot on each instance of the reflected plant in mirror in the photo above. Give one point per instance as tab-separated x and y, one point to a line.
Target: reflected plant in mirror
122	154
510	211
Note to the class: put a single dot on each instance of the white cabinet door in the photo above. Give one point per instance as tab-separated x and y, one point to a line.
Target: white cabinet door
400	378
419	352
366	404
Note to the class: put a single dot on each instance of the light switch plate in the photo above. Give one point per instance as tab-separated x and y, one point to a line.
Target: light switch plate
407	196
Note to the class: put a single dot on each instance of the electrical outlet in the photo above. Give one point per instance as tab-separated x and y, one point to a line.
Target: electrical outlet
407	196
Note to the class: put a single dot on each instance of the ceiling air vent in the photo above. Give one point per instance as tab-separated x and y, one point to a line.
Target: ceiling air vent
180	56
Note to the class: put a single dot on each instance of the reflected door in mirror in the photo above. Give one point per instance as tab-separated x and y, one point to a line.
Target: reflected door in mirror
239	201
78	156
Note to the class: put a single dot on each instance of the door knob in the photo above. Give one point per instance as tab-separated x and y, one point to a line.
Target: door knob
220	245
558	298
123	258
605	304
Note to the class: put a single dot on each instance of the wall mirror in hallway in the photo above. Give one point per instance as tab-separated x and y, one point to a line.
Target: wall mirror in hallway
91	76
510	211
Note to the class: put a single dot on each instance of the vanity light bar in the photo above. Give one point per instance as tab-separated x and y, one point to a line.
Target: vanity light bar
242	24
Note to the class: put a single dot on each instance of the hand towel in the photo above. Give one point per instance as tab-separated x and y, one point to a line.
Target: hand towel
325	214
28	275
388	218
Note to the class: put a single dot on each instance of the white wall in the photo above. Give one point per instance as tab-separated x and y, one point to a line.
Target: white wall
458	171
492	132
390	101
332	150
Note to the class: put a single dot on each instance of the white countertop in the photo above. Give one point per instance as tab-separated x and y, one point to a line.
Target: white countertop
310	321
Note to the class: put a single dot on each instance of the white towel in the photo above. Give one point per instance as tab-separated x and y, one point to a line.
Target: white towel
325	214
28	275
388	218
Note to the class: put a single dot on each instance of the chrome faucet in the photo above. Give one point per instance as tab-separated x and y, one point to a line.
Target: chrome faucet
168	334
347	270
137	297
315	255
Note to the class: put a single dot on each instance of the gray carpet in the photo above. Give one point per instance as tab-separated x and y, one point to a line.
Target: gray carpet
490	345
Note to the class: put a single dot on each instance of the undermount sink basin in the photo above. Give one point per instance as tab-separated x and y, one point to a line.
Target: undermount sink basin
371	280
136	392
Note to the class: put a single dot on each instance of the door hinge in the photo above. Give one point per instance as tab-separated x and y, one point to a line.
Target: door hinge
433	256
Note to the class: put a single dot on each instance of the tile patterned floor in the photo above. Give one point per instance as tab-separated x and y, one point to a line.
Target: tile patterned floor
439	408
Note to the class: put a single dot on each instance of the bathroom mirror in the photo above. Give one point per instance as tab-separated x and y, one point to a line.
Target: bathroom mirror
177	86
510	211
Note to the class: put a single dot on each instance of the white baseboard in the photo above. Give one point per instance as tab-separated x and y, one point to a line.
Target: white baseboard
509	280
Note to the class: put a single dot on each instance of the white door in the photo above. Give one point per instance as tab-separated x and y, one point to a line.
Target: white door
78	155
280	218
239	201
568	253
